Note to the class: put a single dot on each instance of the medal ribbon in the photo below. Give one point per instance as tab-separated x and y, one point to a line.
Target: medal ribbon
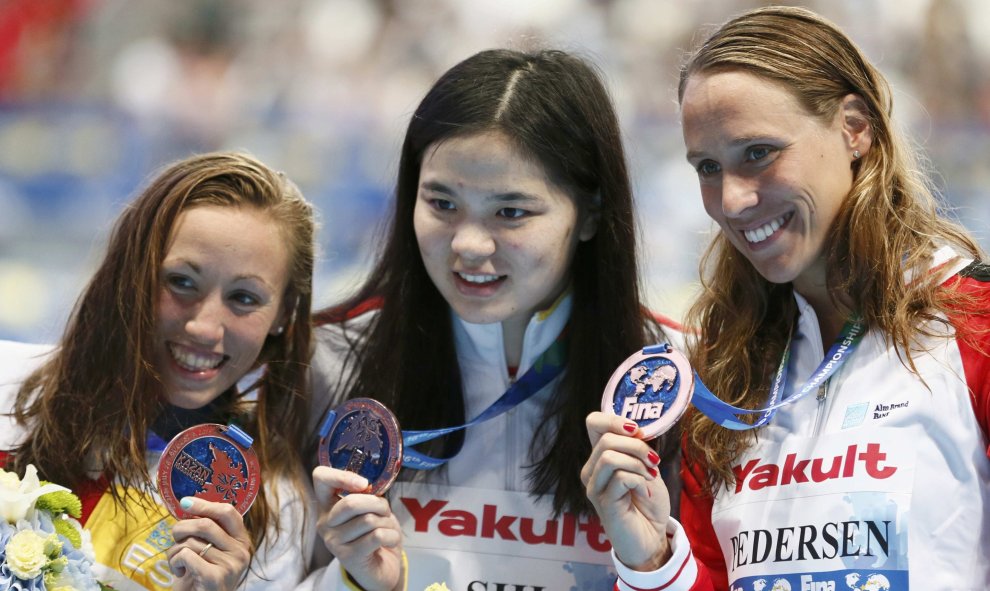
545	369
726	414
156	444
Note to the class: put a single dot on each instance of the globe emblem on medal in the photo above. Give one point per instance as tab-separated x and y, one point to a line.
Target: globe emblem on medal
652	387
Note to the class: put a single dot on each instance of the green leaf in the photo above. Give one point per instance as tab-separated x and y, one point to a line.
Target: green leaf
59	502
66	529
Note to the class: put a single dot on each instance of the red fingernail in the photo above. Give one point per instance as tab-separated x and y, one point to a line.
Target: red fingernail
630	427
653	472
653	457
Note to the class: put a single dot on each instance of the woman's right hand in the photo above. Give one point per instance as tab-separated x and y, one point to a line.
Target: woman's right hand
621	479
359	529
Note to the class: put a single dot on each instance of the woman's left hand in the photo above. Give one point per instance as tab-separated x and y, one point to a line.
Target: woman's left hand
212	550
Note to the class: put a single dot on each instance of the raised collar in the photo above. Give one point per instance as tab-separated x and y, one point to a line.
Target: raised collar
483	343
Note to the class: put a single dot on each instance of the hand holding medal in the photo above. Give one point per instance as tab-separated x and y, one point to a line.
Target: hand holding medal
204	471
649	392
360	453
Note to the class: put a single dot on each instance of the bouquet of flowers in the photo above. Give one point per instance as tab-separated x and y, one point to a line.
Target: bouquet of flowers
42	546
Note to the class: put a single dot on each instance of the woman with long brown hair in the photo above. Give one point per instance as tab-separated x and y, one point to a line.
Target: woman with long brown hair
844	319
207	278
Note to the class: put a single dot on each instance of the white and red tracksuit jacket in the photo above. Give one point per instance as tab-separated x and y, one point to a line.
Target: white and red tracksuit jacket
883	484
474	525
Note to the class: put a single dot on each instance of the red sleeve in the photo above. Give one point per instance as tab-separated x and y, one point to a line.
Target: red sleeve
90	492
973	338
696	518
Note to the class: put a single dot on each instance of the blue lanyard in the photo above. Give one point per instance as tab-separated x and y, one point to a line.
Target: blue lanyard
726	414
545	369
155	443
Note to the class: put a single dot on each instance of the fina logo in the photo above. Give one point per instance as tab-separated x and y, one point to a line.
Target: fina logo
658	381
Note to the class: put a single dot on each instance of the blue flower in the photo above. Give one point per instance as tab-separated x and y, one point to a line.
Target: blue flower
10	582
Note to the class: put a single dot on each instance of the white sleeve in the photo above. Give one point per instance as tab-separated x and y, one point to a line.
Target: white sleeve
678	574
282	562
17	361
326	573
330	368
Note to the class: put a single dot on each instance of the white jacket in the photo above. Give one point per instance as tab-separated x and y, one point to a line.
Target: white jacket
882	484
476	526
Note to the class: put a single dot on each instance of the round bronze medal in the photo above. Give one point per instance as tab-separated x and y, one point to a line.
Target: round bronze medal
652	387
363	436
211	462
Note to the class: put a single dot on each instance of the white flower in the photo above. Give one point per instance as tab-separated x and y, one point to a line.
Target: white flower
26	555
9	480
33	551
17	497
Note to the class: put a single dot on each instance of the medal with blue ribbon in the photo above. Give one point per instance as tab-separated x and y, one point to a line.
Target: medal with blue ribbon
653	387
546	367
210	461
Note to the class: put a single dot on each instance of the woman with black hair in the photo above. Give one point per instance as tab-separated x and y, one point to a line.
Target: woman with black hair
510	265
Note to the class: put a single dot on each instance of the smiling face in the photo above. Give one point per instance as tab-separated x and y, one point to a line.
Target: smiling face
772	175
497	237
220	296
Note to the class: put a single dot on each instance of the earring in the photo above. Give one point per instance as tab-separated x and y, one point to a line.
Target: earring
279	331
856	154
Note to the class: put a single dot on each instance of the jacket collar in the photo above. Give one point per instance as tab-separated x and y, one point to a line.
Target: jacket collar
483	343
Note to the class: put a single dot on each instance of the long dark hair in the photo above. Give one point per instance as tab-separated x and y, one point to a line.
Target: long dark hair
556	108
95	399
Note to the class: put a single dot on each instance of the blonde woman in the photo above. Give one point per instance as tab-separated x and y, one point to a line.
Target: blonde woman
837	296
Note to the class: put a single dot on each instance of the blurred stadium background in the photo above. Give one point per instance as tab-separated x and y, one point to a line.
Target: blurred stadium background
97	94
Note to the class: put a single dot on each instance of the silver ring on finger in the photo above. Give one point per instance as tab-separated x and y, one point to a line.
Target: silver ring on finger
206	549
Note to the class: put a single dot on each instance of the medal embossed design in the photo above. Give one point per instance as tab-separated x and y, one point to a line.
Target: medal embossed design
363	436
652	387
212	462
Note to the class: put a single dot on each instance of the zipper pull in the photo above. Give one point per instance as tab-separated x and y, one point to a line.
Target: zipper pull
823	390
